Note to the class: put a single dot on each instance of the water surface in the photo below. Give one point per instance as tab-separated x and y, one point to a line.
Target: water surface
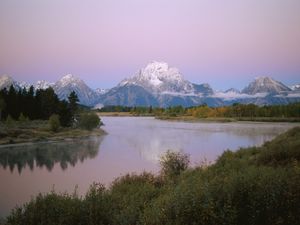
133	144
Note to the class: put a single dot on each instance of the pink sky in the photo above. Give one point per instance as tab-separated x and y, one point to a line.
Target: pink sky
224	43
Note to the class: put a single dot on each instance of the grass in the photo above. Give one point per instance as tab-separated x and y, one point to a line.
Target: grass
39	131
253	186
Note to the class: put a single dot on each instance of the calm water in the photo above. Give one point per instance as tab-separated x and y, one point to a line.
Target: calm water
132	145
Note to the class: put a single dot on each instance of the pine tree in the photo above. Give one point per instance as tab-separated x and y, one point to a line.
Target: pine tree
2	106
73	102
12	103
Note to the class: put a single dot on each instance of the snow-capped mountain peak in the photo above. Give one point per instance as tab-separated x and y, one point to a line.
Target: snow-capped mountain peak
69	83
6	81
158	72
265	84
159	78
42	84
69	79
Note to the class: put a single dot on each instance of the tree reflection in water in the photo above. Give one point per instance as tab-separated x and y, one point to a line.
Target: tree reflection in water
48	154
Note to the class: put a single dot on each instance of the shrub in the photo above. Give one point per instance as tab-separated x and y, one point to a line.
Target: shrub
173	163
22	118
89	121
54	122
9	120
130	195
283	150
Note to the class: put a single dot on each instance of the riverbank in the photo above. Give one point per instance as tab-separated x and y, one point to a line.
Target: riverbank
188	118
228	119
113	114
124	114
39	131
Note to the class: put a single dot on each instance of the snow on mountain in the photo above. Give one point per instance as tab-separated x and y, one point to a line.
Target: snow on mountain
158	85
42	84
69	83
24	84
6	81
101	91
295	87
158	78
265	85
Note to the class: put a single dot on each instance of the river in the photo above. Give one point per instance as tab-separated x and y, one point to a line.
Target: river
132	145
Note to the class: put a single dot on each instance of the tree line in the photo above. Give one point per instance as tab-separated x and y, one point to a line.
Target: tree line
203	111
246	110
37	104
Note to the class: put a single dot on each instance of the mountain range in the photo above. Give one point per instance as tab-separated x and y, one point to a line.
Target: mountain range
160	85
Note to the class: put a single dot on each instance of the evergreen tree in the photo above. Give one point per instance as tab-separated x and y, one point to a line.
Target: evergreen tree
48	102
73	102
65	114
2	106
12	103
30	103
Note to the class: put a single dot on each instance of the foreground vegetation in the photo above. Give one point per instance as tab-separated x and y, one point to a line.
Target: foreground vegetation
257	185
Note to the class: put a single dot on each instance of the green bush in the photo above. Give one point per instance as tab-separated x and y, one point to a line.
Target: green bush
54	122
89	121
9	121
173	163
130	195
22	118
282	150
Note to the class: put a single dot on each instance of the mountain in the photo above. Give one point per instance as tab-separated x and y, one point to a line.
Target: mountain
42	84
158	85
295	87
69	83
128	95
62	88
265	85
101	91
6	81
232	90
158	78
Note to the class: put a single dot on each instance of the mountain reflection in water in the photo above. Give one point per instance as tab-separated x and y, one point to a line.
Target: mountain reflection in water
48	154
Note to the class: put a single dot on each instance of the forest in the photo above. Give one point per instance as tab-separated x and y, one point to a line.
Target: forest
37	105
